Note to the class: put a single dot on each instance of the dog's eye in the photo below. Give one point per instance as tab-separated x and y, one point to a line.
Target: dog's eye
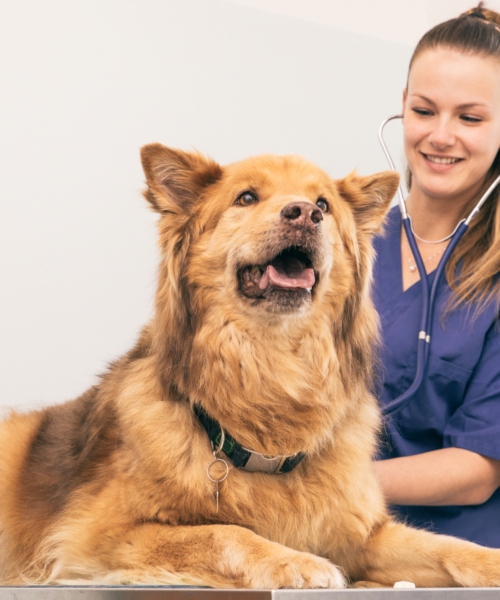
246	199
323	204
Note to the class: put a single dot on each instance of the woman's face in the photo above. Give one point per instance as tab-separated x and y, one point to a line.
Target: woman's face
451	123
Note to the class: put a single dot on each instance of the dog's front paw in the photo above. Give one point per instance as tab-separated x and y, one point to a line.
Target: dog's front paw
300	570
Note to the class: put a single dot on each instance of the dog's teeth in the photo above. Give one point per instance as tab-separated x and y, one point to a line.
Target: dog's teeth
309	289
256	271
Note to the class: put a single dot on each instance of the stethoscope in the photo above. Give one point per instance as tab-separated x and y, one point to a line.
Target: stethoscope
428	294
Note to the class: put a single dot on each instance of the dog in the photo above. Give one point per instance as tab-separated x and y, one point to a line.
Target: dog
232	446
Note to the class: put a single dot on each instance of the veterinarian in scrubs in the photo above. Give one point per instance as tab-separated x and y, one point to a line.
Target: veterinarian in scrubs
440	455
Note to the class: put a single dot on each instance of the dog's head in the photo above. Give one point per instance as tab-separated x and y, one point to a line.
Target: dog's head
269	241
267	232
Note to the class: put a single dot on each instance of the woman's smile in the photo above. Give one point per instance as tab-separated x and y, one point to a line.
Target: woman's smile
441	160
440	164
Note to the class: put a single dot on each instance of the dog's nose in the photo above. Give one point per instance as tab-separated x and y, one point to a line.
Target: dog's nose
302	213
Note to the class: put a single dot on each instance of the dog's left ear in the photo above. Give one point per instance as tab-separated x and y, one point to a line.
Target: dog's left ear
176	179
369	197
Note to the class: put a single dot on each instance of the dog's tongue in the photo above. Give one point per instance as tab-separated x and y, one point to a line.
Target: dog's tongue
290	274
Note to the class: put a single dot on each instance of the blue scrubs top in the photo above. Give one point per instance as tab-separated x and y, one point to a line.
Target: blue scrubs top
458	403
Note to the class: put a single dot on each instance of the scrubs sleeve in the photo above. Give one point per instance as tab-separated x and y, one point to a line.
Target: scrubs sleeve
475	424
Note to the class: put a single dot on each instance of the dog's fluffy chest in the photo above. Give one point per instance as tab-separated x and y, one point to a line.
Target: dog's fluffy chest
286	508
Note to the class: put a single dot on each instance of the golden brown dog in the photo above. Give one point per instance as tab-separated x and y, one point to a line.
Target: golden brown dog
262	341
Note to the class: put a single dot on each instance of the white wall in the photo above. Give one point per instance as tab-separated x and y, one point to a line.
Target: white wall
400	21
83	85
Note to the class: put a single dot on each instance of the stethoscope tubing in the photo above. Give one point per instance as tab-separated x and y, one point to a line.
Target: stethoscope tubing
428	295
427	312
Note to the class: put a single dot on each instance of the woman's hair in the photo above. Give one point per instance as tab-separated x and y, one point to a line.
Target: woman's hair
472	268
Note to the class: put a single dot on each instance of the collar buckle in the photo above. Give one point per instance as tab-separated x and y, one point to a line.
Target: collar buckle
269	464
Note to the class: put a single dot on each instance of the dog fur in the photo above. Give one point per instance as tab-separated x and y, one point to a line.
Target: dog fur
112	487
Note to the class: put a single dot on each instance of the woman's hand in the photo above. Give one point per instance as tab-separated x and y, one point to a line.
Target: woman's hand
450	476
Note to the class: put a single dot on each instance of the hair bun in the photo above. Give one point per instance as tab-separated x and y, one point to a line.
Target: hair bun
477	14
483	13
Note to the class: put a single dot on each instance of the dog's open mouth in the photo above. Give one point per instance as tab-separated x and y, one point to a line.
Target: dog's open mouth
290	272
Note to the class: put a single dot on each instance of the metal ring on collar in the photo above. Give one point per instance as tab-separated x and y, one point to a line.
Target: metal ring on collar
222	478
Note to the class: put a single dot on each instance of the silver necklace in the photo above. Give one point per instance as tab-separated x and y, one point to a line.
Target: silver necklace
413	266
437	241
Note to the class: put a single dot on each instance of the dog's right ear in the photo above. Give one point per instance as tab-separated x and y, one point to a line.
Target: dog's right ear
369	197
176	179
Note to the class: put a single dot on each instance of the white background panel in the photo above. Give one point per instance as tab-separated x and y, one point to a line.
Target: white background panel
85	84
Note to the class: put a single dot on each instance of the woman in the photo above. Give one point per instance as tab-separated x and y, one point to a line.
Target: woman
440	463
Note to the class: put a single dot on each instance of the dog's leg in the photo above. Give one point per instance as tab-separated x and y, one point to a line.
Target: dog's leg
214	555
400	553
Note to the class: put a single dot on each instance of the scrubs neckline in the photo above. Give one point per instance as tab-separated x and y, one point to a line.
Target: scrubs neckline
399	259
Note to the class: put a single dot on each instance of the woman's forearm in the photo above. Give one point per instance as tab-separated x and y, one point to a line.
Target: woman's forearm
450	476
